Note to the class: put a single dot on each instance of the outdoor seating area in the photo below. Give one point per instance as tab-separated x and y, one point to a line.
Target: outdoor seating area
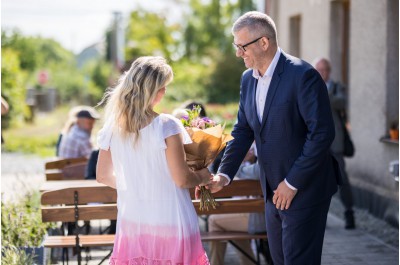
72	201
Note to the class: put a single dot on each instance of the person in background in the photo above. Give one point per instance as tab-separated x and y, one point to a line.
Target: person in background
338	100
234	222
75	138
191	104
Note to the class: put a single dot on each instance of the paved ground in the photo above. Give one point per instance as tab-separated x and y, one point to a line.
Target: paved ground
357	247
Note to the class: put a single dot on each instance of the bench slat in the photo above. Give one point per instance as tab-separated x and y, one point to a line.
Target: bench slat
54	174
84	240
102	194
242	187
223	236
233	206
61	163
86	213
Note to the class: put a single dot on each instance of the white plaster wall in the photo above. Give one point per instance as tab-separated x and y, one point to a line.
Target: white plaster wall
314	26
368	79
368	57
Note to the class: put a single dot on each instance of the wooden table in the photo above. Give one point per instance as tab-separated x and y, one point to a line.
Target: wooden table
62	184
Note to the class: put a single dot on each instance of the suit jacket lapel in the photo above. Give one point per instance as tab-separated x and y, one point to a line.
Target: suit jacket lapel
257	123
273	87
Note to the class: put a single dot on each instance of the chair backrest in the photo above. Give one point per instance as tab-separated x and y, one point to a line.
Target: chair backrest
63	162
74	172
66	169
85	203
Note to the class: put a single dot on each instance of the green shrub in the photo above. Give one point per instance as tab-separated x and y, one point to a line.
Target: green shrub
21	222
42	146
12	255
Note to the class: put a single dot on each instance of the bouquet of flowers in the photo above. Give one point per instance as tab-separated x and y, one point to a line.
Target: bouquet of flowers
208	139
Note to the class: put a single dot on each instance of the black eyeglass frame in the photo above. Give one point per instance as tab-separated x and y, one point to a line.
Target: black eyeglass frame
243	47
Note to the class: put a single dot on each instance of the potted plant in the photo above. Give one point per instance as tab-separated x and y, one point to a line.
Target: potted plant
23	231
394	131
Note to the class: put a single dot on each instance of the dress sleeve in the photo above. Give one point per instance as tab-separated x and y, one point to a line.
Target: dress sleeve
104	135
172	126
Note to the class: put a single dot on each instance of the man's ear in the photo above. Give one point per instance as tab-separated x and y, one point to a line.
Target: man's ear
265	43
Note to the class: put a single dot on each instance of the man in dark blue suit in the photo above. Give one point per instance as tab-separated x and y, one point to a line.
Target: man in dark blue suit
284	106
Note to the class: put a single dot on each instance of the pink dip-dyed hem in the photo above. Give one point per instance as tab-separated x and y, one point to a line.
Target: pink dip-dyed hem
161	246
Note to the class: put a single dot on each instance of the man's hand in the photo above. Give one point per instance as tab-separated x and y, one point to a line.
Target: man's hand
283	196
217	183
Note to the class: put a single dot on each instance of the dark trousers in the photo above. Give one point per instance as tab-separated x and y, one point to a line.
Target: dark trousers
346	195
296	236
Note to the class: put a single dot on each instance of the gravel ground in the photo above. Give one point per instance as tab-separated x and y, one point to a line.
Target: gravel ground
369	223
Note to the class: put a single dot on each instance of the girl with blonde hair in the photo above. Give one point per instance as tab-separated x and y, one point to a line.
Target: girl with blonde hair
142	156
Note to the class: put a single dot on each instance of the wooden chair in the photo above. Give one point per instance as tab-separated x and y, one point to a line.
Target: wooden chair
241	196
73	205
68	168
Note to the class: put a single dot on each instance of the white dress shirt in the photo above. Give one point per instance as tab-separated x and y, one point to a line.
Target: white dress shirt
261	94
263	84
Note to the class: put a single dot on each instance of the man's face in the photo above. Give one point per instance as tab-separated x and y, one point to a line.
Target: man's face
324	70
253	53
86	124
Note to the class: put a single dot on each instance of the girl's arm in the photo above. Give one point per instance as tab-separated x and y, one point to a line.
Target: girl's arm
181	174
104	170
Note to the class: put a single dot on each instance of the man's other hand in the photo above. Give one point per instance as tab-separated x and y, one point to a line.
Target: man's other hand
283	196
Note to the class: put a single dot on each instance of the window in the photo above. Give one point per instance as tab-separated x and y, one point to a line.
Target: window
295	36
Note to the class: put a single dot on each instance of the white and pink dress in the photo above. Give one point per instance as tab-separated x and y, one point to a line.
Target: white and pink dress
157	223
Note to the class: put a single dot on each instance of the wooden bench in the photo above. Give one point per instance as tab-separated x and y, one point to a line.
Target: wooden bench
234	198
68	168
75	204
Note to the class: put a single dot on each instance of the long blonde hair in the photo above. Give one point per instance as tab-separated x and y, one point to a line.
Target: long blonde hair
129	104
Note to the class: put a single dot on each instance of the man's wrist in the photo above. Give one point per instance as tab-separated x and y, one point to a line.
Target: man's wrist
289	185
224	176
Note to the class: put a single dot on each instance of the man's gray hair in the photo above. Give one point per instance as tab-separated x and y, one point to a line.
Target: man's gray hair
258	24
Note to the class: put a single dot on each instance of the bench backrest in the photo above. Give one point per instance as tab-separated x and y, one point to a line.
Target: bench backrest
66	202
241	196
61	163
68	168
89	202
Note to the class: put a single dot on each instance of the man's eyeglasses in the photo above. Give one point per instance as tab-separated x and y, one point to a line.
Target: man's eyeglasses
243	47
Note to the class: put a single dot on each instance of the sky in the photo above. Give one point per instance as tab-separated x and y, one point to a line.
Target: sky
76	24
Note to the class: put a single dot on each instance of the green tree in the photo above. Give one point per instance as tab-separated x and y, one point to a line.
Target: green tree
149	33
101	75
224	82
208	41
35	52
12	85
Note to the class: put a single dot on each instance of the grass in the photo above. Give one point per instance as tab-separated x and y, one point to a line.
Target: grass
40	137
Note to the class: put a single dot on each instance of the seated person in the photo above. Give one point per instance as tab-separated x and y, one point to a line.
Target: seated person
236	222
75	140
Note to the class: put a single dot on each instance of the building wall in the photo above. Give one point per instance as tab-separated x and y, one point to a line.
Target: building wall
314	25
369	93
373	85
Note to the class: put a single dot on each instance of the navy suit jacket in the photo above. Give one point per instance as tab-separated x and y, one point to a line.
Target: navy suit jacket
294	137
